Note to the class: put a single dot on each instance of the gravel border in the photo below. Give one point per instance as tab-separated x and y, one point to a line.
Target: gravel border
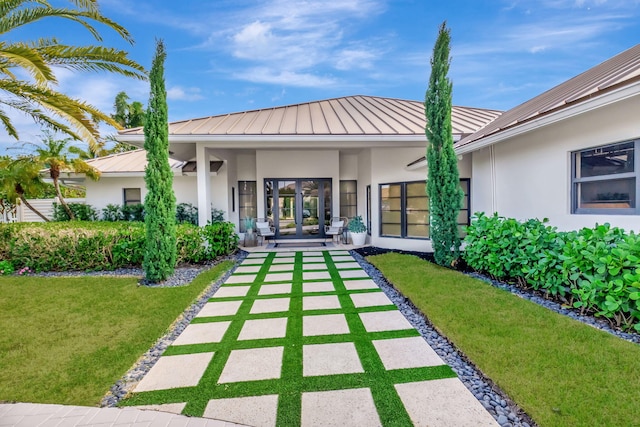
124	385
494	400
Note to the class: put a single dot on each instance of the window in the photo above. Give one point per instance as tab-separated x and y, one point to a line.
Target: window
131	196
604	179
369	210
404	209
247	202
348	199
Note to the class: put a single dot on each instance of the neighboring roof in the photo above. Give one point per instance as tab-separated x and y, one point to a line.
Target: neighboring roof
351	115
620	71
135	161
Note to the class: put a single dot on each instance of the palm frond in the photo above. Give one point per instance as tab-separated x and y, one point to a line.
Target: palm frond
92	58
6	6
31	60
8	126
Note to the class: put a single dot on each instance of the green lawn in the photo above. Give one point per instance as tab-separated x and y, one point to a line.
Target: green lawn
560	371
67	340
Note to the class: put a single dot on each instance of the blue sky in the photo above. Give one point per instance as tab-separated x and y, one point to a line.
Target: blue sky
233	55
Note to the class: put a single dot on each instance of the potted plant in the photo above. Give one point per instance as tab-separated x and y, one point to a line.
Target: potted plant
358	230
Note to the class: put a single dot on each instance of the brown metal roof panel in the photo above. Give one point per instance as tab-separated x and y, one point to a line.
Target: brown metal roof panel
303	120
332	119
348	123
261	118
363	125
272	126
243	121
319	123
391	119
289	120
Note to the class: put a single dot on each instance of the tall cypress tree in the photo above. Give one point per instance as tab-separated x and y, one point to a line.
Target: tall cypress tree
160	201
443	182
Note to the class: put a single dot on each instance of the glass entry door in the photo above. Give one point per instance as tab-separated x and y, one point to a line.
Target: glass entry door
299	208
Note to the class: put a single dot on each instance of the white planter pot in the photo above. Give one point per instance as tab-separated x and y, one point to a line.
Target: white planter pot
358	239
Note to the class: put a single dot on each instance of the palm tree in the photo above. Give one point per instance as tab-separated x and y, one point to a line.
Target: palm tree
19	177
53	154
37	96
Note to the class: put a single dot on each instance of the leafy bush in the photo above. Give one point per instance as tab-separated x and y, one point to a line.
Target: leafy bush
356	225
186	212
112	213
217	215
596	270
68	246
133	212
6	268
81	211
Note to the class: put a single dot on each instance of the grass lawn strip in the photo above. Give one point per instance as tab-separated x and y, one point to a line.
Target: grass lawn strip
291	384
560	371
66	340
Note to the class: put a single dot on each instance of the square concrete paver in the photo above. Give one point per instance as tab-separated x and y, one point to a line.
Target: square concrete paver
313	275
248	269
312	259
285	254
282	288
272	305
231	291
280	267
445	402
370	299
378	321
184	370
318	287
345	265
324	302
278	277
353	285
283	260
315	266
325	324
312	253
349	274
330	359
403	353
252	364
222	308
259	411
340	408
199	333
342	258
338	252
241	278
253	261
258	255
263	329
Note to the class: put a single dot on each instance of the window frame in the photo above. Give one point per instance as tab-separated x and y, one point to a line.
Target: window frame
355	193
575	182
403	209
130	202
241	206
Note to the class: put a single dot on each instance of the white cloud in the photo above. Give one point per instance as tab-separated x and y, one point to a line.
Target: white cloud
184	93
284	77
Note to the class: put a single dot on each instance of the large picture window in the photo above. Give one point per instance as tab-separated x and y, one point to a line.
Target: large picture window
604	179
404	209
247	202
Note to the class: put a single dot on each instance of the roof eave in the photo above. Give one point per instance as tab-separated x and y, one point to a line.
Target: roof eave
552	117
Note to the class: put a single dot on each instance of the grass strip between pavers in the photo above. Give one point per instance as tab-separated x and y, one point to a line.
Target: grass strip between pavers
292	383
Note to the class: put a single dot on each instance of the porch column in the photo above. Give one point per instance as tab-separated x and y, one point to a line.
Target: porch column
203	172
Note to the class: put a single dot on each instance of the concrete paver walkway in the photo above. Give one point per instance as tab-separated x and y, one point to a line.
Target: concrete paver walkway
306	338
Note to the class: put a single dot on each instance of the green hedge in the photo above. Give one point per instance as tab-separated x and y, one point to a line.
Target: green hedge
595	270
84	246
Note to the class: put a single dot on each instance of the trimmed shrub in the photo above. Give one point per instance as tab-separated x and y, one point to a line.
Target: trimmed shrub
595	270
81	211
86	246
186	212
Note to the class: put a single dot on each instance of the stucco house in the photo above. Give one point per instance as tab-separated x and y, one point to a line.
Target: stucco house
570	155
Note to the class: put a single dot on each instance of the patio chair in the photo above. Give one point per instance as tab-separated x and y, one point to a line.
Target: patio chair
335	229
265	230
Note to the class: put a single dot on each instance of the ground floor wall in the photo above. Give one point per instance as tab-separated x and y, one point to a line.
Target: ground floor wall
530	176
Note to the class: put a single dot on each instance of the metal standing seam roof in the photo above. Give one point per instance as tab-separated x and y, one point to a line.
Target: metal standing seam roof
350	115
621	70
127	162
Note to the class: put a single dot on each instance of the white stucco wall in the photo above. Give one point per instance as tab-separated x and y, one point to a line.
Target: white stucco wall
533	171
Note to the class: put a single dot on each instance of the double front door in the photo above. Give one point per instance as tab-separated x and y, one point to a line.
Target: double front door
299	208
